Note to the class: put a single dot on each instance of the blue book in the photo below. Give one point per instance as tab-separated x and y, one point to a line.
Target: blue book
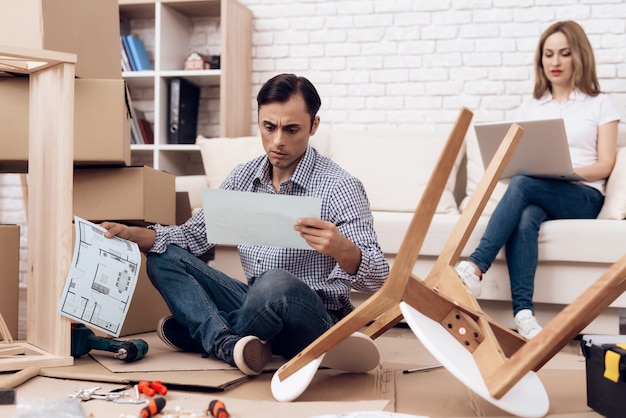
138	54
127	64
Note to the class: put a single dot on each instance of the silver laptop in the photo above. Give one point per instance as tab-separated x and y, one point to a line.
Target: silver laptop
542	150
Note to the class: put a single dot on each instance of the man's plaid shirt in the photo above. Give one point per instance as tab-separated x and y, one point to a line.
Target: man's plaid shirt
344	203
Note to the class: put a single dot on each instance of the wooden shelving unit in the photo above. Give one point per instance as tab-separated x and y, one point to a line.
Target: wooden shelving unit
173	23
50	171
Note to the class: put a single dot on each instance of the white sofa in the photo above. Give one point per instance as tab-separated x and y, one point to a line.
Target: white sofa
395	167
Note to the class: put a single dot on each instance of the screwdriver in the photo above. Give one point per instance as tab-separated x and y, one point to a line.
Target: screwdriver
155	406
217	409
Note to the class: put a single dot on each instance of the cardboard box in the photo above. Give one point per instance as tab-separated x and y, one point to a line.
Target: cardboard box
135	195
605	367
89	29
101	122
146	307
10	276
183	207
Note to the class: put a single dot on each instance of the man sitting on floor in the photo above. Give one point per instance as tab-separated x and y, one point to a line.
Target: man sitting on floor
292	295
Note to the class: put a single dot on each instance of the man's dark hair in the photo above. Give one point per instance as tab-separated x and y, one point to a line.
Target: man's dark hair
281	87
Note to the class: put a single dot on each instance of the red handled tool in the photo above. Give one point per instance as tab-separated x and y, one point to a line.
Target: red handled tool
150	388
217	409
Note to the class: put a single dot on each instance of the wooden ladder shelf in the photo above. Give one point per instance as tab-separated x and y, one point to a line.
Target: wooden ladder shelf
49	211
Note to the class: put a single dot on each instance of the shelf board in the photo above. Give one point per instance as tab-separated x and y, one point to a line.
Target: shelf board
142	9
139	78
136	9
195	8
179	147
198	77
142	147
165	147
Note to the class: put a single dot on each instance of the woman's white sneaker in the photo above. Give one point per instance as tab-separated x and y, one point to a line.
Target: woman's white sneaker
526	324
466	271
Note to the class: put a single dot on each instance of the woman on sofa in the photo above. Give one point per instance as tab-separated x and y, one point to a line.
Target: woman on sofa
566	86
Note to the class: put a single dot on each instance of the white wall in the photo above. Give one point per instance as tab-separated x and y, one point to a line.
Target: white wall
398	64
410	65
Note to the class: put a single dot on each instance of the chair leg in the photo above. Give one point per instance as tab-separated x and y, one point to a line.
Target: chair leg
365	313
561	329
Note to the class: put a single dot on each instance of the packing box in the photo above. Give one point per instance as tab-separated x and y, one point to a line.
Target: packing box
101	122
89	29
606	373
9	276
146	307
135	195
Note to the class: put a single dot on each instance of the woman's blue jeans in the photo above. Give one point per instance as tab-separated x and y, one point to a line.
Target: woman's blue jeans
219	310
515	223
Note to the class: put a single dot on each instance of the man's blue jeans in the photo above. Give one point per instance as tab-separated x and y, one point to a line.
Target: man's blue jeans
218	310
515	223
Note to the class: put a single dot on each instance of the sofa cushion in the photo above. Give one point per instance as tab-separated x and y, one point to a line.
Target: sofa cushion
394	167
391	227
221	155
475	171
615	198
572	240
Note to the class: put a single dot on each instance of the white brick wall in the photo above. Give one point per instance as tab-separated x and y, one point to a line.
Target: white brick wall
402	65
410	64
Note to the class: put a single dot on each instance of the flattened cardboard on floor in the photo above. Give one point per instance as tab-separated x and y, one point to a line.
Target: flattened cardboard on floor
101	122
438	393
89	29
435	393
136	195
10	276
42	392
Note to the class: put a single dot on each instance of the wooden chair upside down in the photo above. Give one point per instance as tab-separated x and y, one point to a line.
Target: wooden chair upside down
502	356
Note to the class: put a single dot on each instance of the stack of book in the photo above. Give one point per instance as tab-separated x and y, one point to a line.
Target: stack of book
134	54
140	128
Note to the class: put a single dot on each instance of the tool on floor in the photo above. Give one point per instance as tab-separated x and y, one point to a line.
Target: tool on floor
155	406
84	340
150	388
144	387
422	369
115	396
8	385
217	409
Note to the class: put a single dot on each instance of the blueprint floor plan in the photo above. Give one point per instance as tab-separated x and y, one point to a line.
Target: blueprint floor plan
102	279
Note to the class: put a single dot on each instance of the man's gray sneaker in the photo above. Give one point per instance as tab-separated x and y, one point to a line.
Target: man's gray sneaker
251	355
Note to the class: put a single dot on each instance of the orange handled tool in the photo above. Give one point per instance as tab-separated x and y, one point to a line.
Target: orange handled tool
146	388
159	387
217	409
155	406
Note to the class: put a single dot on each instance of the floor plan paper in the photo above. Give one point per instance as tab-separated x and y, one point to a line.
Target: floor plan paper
101	280
233	217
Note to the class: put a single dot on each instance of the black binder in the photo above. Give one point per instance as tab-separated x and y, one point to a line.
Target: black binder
183	111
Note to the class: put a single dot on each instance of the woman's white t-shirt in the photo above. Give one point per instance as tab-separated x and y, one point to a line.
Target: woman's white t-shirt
582	115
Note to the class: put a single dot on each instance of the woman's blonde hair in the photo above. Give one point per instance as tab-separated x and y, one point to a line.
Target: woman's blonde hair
584	77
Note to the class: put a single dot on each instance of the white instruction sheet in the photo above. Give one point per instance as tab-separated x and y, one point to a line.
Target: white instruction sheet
101	280
233	217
